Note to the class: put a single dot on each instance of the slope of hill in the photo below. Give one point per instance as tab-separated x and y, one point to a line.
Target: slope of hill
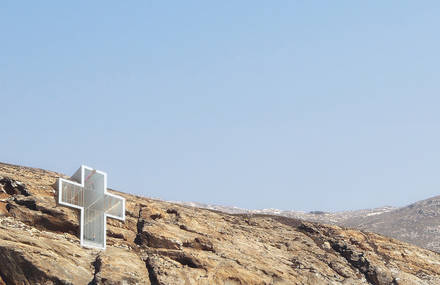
166	243
418	223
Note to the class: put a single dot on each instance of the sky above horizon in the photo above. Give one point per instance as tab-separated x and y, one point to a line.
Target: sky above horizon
295	105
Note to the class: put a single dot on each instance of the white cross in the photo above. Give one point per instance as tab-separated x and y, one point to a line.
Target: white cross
88	192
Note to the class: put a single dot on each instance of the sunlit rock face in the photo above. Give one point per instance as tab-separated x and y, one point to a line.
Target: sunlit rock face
166	243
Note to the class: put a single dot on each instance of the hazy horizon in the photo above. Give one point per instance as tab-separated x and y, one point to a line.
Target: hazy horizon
292	105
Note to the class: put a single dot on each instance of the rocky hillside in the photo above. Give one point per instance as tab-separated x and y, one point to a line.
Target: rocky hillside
418	223
166	243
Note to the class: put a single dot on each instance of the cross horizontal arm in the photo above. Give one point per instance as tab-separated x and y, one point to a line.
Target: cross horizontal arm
114	206
71	193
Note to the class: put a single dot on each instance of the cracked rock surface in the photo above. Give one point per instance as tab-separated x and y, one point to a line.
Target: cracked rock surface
166	243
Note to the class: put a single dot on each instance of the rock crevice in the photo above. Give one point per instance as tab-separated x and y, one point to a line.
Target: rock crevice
152	275
97	263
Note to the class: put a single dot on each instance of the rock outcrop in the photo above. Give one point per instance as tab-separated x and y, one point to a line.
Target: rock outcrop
166	243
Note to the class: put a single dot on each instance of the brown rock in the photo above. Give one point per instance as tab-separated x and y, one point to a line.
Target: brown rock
3	209
30	256
120	266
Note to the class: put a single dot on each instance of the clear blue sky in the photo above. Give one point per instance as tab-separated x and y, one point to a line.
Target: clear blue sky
305	105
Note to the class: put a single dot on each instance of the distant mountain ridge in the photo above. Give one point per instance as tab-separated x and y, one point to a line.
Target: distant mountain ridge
418	223
313	216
